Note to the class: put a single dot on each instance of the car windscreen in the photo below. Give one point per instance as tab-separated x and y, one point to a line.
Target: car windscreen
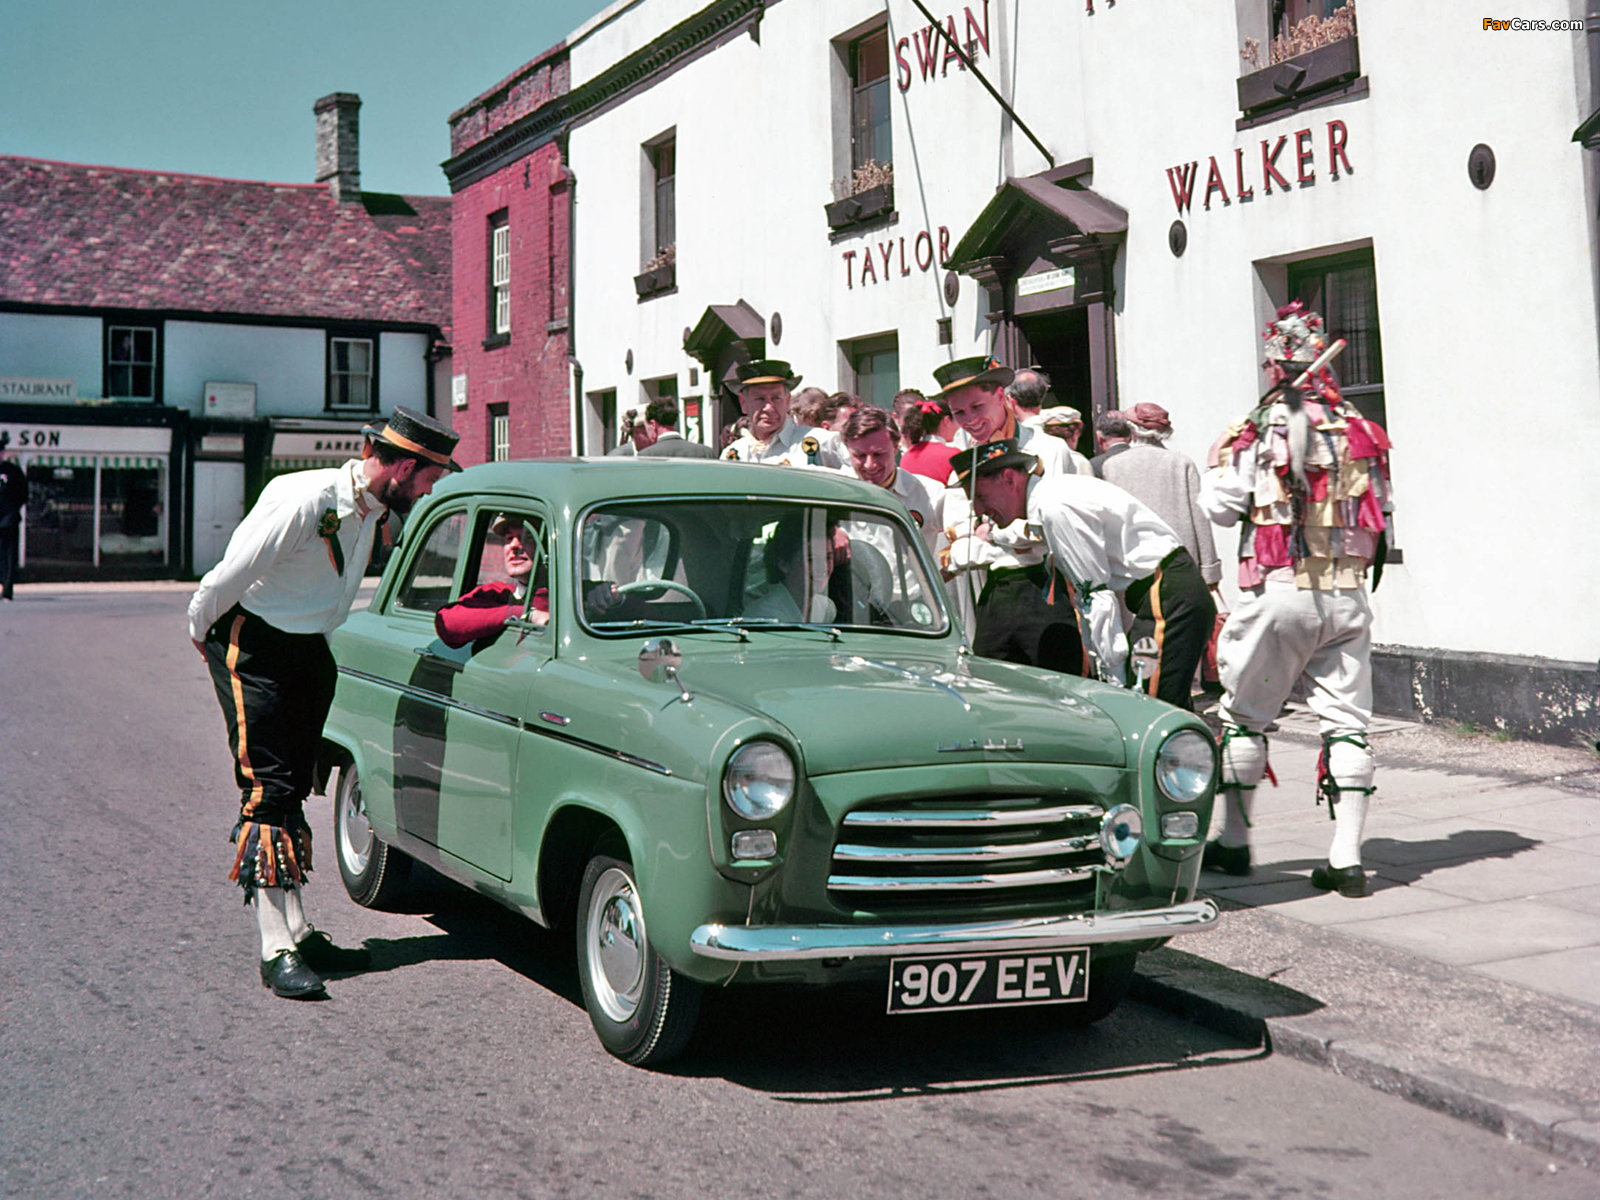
752	562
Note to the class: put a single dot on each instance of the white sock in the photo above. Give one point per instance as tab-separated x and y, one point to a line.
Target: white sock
1351	767
269	905
299	929
1244	761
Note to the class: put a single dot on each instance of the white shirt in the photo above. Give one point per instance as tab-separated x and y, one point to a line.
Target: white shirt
787	447
280	568
922	496
1102	539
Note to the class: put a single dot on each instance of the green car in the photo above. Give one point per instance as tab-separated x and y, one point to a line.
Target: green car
718	718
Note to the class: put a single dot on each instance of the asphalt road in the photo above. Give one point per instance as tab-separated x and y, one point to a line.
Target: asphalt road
141	1057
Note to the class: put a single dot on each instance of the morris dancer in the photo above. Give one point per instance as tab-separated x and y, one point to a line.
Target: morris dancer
261	620
1310	477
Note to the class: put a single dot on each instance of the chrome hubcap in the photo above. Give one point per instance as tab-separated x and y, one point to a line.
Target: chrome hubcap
355	834
616	944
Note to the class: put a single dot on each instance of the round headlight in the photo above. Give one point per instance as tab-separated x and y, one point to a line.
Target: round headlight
1185	766
759	780
1121	831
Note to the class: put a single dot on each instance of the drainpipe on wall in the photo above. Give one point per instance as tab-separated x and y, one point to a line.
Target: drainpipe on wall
575	368
1588	135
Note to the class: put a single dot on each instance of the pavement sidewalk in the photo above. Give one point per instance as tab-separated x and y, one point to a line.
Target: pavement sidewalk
1468	980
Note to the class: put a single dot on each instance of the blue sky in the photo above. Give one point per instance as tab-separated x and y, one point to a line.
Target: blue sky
218	87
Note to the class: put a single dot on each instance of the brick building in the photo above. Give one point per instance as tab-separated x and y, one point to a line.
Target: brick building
512	200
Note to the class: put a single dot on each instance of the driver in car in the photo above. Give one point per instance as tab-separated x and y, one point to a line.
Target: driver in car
796	590
484	611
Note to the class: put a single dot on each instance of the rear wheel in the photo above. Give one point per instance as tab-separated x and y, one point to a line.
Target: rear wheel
1109	979
642	1010
374	873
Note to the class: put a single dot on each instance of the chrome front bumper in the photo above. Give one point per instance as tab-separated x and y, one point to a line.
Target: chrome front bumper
769	943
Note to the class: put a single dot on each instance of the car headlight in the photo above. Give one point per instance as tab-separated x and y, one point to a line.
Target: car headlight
1121	831
759	780
1185	766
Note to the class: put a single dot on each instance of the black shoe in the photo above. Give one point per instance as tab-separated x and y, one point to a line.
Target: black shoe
319	953
1230	860
1347	881
288	976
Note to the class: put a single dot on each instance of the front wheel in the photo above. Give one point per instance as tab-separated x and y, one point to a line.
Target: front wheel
642	1010
1109	979
374	873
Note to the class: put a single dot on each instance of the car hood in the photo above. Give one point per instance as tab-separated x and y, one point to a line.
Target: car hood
863	711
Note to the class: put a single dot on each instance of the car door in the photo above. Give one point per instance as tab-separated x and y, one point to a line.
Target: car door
484	686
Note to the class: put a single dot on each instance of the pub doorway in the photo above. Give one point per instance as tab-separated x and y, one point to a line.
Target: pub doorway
1058	344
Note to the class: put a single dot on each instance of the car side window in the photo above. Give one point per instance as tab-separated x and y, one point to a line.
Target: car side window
511	550
432	571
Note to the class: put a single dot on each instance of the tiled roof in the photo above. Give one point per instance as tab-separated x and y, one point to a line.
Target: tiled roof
112	237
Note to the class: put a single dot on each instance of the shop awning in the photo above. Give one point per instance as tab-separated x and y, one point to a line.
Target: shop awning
134	461
306	464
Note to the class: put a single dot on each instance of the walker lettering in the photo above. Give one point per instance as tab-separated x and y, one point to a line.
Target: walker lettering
1275	160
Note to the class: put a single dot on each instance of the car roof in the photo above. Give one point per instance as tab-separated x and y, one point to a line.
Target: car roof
581	481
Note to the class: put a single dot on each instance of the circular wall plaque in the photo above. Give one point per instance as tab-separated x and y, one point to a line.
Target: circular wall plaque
628	362
777	328
1480	166
952	287
1178	238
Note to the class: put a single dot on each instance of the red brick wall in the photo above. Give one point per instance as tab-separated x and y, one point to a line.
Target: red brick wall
530	373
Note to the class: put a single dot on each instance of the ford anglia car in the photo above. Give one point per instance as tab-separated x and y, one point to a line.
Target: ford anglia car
719	719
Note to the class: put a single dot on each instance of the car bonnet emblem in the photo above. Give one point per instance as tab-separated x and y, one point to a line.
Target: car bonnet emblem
958	747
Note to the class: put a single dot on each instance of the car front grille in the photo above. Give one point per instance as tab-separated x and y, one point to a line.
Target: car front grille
977	848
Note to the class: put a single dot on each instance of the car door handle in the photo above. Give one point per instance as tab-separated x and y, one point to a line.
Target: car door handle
427	653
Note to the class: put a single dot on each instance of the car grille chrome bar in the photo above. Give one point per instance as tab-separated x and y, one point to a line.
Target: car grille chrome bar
951	883
973	818
950	854
913	851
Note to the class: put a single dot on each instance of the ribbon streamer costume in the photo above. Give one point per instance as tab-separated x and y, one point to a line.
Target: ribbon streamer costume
1307	479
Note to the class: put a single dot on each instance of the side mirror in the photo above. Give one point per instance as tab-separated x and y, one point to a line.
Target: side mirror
659	660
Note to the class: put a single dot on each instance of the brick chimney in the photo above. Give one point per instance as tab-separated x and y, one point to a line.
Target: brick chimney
339	145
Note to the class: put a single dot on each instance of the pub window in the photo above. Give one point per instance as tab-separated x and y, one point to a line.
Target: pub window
666	171
351	373
1344	289
870	140
499	275
658	211
499	433
875	368
130	362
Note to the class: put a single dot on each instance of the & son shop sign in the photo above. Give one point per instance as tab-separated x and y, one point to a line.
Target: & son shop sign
1280	163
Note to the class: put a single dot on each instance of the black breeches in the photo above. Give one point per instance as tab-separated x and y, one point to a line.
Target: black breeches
275	690
1175	610
1022	619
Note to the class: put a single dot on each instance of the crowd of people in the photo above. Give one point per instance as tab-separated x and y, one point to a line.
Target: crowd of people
1107	566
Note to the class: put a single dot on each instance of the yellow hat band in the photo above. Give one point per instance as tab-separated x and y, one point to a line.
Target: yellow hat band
406	444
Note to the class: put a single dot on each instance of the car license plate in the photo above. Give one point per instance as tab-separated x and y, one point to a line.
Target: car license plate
1002	980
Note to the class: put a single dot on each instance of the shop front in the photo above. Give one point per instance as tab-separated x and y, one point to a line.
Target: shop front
100	499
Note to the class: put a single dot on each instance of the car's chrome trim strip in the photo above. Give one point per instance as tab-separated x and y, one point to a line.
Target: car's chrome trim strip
955	883
974	818
941	854
767	943
423	694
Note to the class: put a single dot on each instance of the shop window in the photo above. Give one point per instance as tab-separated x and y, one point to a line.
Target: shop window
105	511
499	278
1344	289
433	572
131	362
499	433
875	368
1296	53
352	374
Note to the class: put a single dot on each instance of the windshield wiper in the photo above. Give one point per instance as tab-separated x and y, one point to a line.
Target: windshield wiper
710	625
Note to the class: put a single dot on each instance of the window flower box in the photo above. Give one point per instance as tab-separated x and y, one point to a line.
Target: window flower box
1285	84
861	207
654	280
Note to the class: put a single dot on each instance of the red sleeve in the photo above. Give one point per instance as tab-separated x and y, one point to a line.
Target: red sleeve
481	613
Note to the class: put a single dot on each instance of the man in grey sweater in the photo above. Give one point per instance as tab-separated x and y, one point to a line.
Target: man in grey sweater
1165	480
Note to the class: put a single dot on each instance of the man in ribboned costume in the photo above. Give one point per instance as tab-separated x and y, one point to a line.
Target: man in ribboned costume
1306	477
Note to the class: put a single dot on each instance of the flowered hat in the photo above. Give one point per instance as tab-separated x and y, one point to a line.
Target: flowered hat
1294	338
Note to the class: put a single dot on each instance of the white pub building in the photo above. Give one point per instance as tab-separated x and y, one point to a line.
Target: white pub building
1123	193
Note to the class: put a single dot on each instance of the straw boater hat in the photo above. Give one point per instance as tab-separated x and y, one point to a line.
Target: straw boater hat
419	436
980	369
989	458
766	370
1061	414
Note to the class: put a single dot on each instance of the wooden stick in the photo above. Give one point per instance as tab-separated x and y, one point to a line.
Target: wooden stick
1322	360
